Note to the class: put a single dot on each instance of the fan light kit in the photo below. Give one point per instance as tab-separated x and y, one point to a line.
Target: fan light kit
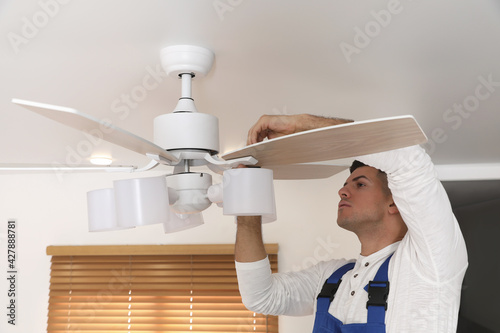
187	138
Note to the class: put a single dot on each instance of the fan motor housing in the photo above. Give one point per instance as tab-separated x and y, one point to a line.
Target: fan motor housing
187	131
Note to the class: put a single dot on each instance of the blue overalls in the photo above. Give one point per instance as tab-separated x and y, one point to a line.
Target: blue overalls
378	290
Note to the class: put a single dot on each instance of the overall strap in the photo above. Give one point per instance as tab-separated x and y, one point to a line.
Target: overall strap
330	287
378	291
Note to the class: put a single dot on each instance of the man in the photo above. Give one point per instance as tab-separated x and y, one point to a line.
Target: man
411	245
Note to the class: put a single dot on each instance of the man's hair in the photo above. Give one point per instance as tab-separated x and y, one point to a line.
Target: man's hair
381	175
357	164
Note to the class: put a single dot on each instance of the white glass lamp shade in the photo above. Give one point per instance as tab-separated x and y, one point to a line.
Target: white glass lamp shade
189	191
179	222
101	210
141	201
267	218
249	192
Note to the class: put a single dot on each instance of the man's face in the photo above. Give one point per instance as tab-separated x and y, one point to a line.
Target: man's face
363	202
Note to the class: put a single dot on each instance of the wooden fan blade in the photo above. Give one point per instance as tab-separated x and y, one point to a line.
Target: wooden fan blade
101	129
335	142
304	171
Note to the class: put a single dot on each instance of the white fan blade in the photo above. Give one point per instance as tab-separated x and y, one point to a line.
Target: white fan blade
108	132
304	171
335	142
56	168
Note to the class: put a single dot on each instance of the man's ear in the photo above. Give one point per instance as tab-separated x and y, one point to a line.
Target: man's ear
393	209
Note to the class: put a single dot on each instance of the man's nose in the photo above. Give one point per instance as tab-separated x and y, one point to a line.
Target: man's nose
344	193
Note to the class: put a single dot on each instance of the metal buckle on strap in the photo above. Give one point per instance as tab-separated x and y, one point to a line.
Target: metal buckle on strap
377	293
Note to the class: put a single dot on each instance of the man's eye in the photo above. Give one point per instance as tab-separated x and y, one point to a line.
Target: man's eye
360	185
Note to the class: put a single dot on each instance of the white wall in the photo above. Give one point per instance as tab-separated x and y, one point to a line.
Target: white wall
52	211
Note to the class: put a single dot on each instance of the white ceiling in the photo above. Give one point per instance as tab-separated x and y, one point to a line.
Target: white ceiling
428	59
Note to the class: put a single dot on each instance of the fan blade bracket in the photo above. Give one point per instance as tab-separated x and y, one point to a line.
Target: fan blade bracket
162	160
219	165
151	165
199	158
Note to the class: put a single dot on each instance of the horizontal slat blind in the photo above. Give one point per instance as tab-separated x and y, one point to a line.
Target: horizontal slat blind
150	293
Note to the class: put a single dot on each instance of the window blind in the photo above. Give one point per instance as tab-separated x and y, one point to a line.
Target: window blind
150	289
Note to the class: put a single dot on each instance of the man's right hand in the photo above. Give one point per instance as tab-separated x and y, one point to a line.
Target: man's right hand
273	126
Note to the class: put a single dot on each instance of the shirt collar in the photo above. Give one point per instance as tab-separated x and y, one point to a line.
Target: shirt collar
379	255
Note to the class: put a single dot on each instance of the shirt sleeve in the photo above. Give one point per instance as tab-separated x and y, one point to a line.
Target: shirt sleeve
292	293
434	238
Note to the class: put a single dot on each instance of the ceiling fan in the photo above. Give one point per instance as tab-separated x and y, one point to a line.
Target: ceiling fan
186	138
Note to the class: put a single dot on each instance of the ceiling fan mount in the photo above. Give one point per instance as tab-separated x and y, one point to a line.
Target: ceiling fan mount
185	132
185	59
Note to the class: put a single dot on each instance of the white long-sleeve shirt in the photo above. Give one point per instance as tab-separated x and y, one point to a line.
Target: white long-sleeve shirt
425	273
